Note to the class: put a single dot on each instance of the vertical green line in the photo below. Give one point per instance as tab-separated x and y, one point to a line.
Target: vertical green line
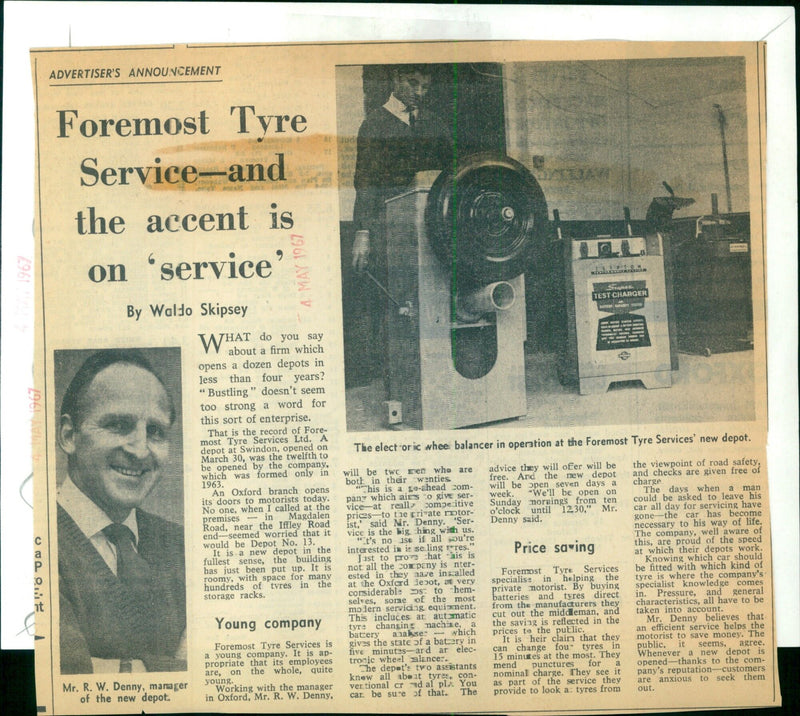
453	217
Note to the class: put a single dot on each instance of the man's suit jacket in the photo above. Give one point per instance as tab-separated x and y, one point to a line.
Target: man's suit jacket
101	618
389	154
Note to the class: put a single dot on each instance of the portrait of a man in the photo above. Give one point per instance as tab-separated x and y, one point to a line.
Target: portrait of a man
121	568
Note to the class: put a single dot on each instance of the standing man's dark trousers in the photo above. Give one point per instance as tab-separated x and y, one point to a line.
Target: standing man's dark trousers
365	307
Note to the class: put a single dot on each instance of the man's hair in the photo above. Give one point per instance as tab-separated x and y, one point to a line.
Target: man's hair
411	69
73	403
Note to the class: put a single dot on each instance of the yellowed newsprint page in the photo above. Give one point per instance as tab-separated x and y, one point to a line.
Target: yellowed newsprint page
401	377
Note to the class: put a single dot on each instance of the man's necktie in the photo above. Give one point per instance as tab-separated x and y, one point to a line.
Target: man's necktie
132	570
412	116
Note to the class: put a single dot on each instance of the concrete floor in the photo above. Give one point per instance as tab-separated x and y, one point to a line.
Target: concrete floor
705	389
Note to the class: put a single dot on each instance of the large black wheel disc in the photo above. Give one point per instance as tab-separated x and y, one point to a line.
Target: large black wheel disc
486	218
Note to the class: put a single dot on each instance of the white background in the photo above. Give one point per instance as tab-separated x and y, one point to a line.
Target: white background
61	24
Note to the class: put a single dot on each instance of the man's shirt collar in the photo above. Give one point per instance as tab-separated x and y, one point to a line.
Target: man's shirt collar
397	108
90	518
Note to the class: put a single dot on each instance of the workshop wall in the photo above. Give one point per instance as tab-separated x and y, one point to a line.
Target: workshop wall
602	135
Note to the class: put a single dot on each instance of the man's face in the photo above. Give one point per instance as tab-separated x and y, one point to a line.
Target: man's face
117	450
411	88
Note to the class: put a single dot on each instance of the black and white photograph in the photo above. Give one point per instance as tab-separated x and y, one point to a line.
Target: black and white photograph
121	557
545	243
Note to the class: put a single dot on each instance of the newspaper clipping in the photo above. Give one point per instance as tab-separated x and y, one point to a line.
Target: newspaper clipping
401	377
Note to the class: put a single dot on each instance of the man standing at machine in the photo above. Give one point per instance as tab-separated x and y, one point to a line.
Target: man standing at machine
395	141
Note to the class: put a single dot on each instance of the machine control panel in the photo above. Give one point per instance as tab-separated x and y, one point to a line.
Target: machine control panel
607	247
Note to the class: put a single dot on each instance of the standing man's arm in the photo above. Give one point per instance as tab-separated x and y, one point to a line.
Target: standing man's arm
369	195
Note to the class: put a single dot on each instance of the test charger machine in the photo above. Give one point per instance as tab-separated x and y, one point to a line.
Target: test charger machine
618	312
457	247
